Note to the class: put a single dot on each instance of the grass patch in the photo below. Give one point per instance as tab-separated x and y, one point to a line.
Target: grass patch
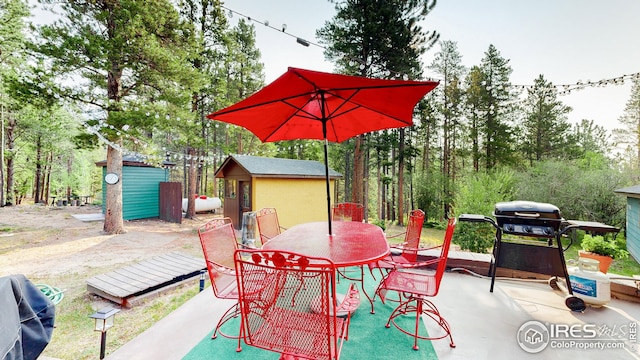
74	338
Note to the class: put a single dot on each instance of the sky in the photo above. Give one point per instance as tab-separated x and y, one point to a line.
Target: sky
567	41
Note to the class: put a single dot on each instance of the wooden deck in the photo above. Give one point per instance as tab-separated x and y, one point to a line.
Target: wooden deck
124	285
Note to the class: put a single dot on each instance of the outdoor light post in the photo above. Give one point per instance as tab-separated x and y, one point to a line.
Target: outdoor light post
202	276
104	321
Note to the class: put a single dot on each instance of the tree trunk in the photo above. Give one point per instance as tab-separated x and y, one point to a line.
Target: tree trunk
392	203
365	183
10	134
348	171
191	183
69	172
380	209
47	178
476	144
38	179
358	172
401	179
2	155
113	220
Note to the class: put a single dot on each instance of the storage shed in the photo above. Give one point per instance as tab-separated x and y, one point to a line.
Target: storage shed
140	187
296	188
633	219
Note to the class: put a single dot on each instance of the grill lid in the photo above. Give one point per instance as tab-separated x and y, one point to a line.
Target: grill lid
527	209
528	218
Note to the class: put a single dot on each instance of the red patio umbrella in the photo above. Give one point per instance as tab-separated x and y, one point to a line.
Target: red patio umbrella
305	104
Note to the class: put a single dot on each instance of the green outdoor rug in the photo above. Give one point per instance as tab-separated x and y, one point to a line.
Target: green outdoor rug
368	336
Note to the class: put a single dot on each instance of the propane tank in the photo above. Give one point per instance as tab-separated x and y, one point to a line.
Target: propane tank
589	284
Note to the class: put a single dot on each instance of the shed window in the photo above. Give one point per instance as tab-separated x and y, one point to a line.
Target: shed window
230	187
246	199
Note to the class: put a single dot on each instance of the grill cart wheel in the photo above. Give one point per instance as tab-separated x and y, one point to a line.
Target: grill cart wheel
553	283
574	303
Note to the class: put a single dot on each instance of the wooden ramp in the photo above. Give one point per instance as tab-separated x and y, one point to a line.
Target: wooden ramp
124	285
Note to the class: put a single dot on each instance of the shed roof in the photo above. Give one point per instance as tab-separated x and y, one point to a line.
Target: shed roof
135	160
259	166
633	190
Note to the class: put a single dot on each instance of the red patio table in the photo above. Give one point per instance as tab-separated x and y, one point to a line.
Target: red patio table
352	243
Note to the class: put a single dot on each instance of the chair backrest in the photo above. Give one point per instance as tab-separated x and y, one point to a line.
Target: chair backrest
268	225
348	211
412	236
218	240
285	300
444	252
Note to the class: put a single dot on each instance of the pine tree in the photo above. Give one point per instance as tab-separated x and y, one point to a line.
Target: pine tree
474	105
496	127
12	41
545	126
629	133
448	64
377	39
128	60
190	137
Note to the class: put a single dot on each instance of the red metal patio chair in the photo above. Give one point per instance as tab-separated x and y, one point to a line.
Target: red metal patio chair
219	243
348	211
268	224
407	252
281	314
417	285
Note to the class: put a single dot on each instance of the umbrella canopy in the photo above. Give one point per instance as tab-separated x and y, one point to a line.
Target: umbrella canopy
305	104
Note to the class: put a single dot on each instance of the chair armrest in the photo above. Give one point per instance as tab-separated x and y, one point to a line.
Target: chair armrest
396	235
429	248
416	264
247	246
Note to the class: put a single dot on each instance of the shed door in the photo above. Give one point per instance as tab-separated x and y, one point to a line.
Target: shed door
232	202
245	197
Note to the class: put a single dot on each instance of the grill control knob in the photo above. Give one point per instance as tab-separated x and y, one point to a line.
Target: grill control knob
528	229
509	227
548	231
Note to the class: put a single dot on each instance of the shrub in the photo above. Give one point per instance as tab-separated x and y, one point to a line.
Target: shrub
601	246
381	223
478	195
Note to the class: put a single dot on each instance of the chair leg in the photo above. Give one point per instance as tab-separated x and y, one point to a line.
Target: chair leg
231	313
420	306
240	336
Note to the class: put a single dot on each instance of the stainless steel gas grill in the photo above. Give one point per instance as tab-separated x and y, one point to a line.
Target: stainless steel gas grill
534	244
527	218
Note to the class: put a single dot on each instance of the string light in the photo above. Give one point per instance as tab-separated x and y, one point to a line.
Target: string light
282	29
564	89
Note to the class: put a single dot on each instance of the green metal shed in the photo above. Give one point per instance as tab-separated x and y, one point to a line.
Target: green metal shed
140	188
633	219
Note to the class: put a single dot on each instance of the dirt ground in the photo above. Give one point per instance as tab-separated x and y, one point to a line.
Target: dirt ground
47	241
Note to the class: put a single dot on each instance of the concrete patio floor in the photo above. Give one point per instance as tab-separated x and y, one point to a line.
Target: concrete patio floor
484	325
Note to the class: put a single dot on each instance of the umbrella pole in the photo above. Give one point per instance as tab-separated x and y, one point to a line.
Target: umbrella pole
326	174
326	164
